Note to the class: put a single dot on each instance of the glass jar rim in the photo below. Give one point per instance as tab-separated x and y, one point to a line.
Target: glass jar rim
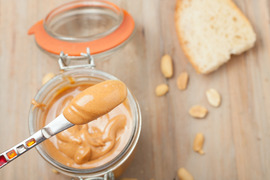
116	161
78	4
104	43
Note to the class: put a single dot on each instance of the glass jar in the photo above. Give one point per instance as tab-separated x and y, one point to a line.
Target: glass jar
44	95
66	32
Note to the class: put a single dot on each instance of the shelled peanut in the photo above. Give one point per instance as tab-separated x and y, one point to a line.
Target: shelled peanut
183	174
198	111
166	66
213	97
182	81
198	143
162	89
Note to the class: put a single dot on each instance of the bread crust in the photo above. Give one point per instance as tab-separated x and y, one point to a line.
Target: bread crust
177	14
181	41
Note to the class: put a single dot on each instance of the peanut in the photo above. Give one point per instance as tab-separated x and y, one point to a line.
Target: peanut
167	66
198	143
183	174
47	77
182	81
213	97
162	89
198	111
55	171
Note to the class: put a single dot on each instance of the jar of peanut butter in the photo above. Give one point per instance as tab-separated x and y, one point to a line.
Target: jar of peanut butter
103	148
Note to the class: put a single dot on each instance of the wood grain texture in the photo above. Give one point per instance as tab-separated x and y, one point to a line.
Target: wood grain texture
237	133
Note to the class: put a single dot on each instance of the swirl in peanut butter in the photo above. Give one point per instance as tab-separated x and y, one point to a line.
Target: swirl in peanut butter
95	101
88	145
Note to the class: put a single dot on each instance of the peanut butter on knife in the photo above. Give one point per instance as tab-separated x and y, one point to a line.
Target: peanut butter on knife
95	101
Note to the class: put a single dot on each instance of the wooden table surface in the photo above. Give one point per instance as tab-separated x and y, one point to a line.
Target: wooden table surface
237	133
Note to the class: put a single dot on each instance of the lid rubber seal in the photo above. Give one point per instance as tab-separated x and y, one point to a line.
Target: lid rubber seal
55	46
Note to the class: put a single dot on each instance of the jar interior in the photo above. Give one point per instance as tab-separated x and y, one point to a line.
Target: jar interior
84	76
83	20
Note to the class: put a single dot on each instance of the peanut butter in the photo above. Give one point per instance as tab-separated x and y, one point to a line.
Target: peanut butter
95	101
37	105
97	142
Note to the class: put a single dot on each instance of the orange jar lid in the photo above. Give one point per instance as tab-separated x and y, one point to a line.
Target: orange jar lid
72	27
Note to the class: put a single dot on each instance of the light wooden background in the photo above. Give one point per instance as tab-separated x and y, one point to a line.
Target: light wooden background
237	134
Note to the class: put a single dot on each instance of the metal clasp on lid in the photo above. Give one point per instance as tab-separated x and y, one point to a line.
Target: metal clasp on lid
107	176
64	60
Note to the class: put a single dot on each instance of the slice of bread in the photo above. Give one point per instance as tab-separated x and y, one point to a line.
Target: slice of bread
210	31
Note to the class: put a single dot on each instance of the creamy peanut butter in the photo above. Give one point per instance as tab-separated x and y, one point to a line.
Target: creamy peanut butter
37	105
93	144
95	101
